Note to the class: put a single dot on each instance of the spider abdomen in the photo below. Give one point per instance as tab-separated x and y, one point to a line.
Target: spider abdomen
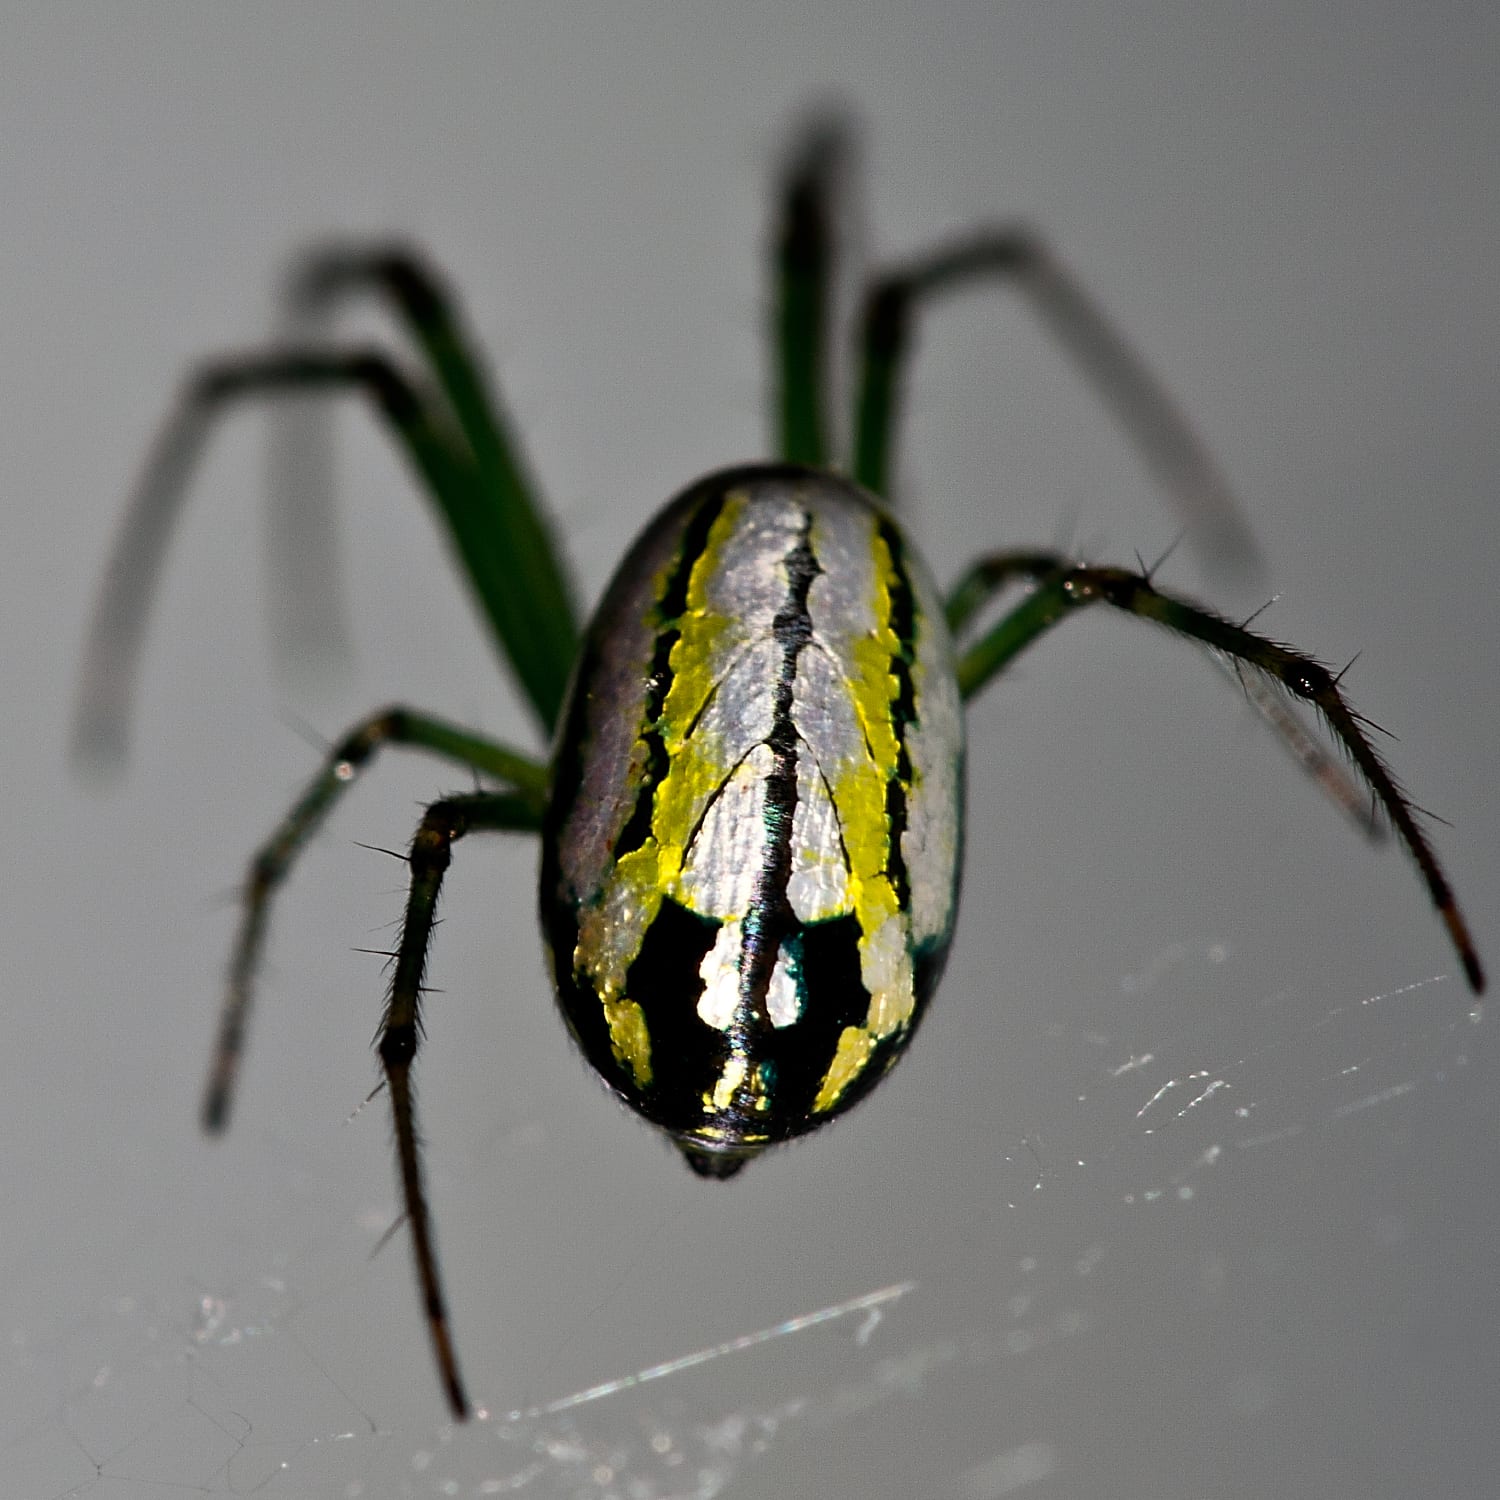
750	866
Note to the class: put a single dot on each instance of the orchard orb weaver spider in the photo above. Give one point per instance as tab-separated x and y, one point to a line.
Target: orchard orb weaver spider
750	824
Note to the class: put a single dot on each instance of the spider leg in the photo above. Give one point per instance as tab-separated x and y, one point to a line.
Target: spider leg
804	252
273	860
1061	587
1139	401
447	477
988	575
991	574
308	616
1304	747
531	605
401	1032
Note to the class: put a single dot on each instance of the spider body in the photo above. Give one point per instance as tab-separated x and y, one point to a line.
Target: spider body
751	824
750	865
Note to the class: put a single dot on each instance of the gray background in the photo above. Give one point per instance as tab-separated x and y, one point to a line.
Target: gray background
1284	1288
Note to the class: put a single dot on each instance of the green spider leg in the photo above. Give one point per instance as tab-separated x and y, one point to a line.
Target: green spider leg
1139	401
803	301
526	599
452	438
272	862
401	1034
1061	587
480	523
117	630
804	266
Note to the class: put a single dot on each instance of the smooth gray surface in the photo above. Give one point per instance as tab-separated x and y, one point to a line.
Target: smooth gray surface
1285	1288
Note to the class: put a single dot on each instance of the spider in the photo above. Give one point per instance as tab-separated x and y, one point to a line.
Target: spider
751	819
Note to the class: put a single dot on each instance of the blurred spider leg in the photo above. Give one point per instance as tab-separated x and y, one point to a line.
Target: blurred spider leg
112	656
530	603
308	613
273	860
1061	588
1166	440
804	264
401	1032
1302	744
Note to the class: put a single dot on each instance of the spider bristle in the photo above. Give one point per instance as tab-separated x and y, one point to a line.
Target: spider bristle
1375	727
388	1235
307	732
1427	813
1171	547
1255	614
380	849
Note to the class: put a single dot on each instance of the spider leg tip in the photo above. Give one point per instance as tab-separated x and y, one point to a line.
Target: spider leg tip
97	754
453	1390
215	1113
1467	954
1474	973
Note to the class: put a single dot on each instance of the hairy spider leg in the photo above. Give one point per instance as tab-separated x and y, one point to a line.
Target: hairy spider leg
272	862
1062	587
401	1033
991	574
455	449
1326	773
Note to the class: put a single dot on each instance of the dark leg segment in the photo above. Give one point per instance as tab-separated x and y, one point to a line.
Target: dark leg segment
401	1033
804	271
1061	587
529	602
1138	400
990	575
273	861
1266	698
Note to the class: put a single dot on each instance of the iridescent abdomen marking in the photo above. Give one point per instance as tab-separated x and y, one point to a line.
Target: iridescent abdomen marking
750	870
